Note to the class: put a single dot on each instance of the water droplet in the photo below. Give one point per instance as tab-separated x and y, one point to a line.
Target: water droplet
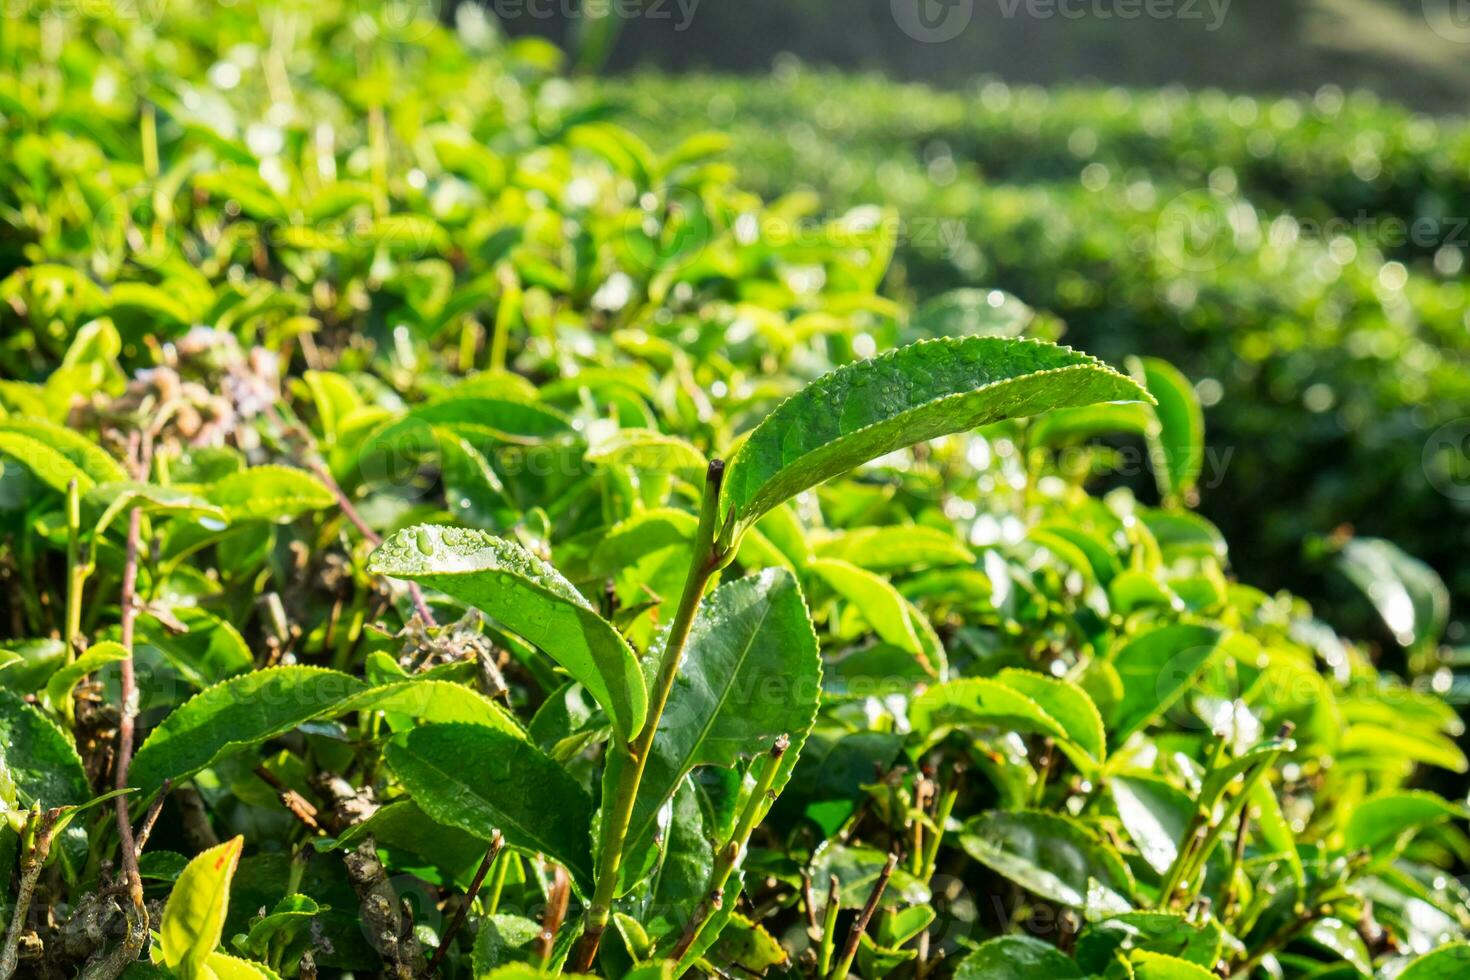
426	546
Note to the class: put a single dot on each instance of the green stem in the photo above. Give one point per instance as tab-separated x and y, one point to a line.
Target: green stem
76	574
947	800
729	855
705	560
829	929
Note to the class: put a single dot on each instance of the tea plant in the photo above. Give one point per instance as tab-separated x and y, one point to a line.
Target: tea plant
445	537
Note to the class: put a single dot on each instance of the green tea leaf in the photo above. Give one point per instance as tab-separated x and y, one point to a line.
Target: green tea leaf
1198	942
1446	963
1065	702
1385	819
1177	435
278	494
1053	856
1155	815
1158	966
235	715
482	780
194	917
1016	958
65	680
895	548
751	673
981	702
38	757
869	409
529	597
1155	668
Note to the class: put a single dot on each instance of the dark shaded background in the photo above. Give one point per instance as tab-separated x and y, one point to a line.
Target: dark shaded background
1412	51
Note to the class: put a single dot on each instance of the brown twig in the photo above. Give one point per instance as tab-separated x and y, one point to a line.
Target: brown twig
298	805
556	911
389	930
497	844
40	826
860	925
129	708
145	829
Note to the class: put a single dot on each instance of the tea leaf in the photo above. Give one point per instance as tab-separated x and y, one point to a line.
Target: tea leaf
751	673
482	780
531	598
869	409
235	715
194	917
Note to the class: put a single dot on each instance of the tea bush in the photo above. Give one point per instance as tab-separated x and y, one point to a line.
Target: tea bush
1302	260
444	536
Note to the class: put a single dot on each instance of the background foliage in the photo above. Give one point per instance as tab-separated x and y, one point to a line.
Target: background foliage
361	379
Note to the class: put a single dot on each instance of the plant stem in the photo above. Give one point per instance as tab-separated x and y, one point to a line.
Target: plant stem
37	834
948	796
730	854
860	925
496	844
75	573
704	561
129	710
829	928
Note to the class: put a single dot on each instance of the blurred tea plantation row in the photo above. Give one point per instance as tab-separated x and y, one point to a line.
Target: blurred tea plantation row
463	519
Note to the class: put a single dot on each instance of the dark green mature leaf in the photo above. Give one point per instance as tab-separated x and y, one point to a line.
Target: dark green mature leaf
1155	668
39	758
1177	434
932	388
1199	942
856	870
1051	855
403	825
751	673
1016	958
235	715
529	597
1156	816
482	780
1409	597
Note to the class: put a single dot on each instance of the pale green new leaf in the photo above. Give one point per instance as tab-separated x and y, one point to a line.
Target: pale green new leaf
268	493
194	917
65	680
530	598
932	388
